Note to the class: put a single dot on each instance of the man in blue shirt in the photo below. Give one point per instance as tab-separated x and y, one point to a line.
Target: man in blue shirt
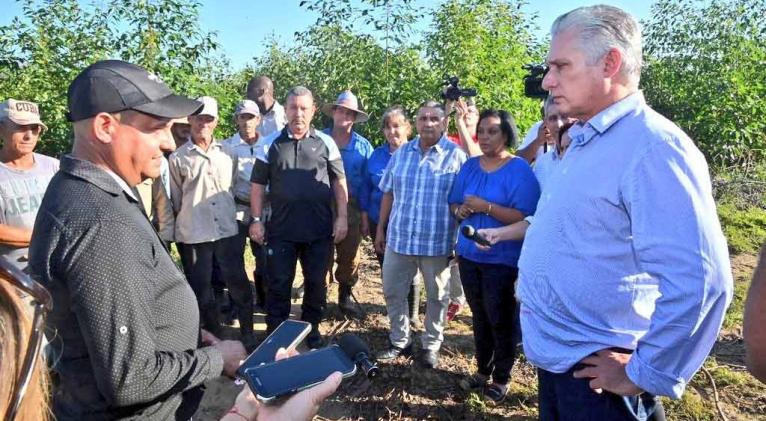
355	150
624	276
420	233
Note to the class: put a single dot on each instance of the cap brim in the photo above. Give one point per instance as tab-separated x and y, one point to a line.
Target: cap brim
361	116
23	122
172	106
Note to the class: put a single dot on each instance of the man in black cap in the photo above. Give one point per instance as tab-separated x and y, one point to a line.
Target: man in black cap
125	319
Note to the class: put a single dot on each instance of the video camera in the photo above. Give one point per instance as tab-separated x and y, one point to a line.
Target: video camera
533	82
454	91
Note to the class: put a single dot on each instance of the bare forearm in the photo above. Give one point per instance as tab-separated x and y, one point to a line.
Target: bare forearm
755	321
15	236
470	146
257	192
340	190
514	232
503	214
386	203
529	152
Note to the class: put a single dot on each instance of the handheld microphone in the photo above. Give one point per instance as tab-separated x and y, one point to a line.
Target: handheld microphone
470	233
357	350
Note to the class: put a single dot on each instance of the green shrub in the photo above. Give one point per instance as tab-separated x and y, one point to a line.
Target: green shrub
745	229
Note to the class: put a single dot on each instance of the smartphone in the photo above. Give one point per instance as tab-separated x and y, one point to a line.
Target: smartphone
290	375
287	335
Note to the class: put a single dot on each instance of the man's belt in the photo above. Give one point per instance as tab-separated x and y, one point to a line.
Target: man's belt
241	202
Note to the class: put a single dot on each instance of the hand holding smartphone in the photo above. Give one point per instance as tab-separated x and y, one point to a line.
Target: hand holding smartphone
288	335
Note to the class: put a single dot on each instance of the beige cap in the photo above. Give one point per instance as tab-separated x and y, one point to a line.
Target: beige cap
21	112
247	106
182	120
209	106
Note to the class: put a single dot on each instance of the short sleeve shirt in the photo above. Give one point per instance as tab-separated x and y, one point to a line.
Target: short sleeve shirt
513	186
420	223
21	192
299	173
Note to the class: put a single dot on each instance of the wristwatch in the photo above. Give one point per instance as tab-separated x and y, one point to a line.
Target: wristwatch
254	219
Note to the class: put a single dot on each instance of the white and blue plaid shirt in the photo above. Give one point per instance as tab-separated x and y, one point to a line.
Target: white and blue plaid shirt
420	223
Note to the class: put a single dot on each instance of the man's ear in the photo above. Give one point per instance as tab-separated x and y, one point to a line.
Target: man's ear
104	127
612	63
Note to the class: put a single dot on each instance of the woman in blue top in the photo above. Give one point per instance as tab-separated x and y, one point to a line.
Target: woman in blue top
396	129
492	190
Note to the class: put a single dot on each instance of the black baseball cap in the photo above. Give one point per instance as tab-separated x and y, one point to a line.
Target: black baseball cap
111	86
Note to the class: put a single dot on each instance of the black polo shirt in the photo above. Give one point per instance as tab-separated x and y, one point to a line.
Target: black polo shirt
124	326
299	173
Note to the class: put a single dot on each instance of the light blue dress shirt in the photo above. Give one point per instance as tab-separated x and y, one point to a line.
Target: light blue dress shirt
626	251
420	223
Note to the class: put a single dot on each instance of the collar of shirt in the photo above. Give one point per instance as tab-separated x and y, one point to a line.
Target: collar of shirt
351	142
237	140
99	176
309	134
439	146
581	134
270	112
213	144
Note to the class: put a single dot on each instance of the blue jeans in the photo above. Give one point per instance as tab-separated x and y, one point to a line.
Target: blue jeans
565	398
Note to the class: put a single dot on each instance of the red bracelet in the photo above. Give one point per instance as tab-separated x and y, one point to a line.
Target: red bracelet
235	411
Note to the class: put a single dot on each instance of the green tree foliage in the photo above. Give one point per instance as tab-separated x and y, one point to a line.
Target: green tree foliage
332	56
485	43
705	71
41	54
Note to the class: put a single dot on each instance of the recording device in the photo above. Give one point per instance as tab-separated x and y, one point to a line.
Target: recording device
287	335
533	82
280	378
454	91
359	352
470	233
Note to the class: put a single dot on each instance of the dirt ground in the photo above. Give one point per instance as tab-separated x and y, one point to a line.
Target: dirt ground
404	390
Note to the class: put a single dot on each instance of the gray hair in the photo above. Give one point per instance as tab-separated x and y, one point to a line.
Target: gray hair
431	104
601	28
299	91
390	113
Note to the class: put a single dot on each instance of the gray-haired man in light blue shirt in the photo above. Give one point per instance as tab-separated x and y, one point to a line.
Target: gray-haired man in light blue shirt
624	277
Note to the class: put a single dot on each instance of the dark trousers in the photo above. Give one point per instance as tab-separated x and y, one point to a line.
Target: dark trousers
259	278
565	398
282	256
200	257
489	291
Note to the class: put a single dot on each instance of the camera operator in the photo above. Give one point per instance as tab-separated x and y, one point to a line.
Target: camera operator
466	121
542	137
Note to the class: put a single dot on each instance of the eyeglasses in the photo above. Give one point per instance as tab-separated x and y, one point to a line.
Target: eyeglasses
42	305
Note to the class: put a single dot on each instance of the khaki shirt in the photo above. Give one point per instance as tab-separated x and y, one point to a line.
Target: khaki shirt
201	191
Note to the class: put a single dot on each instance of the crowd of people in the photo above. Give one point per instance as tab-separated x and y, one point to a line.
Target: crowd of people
602	242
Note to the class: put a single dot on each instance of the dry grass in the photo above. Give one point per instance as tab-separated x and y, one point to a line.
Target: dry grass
405	391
